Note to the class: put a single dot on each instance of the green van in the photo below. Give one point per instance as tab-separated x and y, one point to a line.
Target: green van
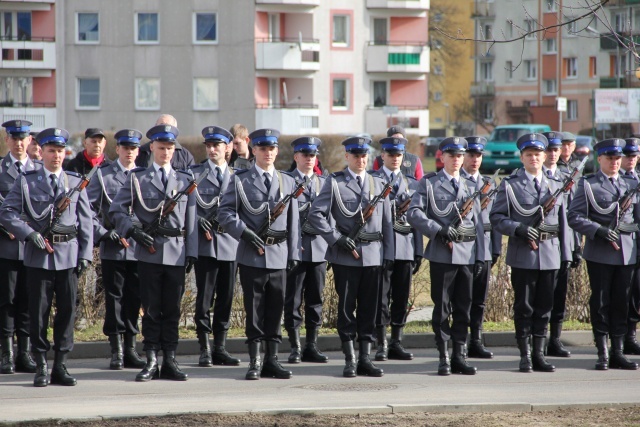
501	151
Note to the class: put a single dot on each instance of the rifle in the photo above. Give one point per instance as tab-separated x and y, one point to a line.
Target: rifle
484	201
7	233
278	209
624	205
467	205
169	206
550	203
212	219
107	224
367	212
61	206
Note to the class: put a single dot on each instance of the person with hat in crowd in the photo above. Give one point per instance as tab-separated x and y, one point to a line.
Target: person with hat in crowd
216	266
34	151
14	309
93	154
26	210
536	252
492	247
550	168
119	263
411	164
305	283
164	257
357	261
568	161
610	251
393	299
456	252
181	159
264	258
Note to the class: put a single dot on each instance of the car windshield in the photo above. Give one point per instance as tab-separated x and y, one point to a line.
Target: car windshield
508	135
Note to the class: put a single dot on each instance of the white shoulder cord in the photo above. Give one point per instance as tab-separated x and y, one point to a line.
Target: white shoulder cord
136	184
104	190
434	207
592	201
512	200
343	209
32	213
245	202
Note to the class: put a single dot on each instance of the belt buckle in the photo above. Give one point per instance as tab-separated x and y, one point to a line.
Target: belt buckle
269	241
220	230
57	238
544	235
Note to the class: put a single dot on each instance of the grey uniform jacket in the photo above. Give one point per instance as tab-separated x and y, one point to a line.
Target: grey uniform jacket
434	188
561	175
101	190
222	246
505	217
12	249
492	239
32	196
595	194
407	246
353	199
234	217
169	250
314	247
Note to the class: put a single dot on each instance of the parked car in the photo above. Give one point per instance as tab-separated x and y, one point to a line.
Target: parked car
501	151
584	148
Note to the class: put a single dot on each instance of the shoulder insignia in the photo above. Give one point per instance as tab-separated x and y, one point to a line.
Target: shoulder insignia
31	172
287	173
431	175
240	171
337	174
186	172
138	169
196	166
512	176
76	174
104	165
590	176
411	178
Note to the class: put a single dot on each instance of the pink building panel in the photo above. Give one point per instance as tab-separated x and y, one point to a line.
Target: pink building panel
43	23
262	90
44	89
262	25
409	29
412	93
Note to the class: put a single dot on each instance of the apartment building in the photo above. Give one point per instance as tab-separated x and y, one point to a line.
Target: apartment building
303	66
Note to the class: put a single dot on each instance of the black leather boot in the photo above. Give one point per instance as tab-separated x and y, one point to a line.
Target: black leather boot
617	359
631	345
296	350
476	346
220	355
555	347
396	350
170	369
59	373
131	357
365	366
525	355
382	353
151	370
349	370
205	359
459	363
7	366
117	362
255	362
311	353
538	360
603	354
42	370
272	368
444	366
24	362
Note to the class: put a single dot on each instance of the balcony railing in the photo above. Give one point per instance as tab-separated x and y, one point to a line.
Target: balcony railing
483	89
42	117
290	119
398	4
288	54
385	56
12	104
612	82
33	54
312	3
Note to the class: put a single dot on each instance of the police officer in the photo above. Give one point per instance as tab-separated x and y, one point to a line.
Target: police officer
628	171
306	281
534	253
14	309
456	253
26	210
216	265
492	246
263	259
119	264
411	164
610	250
357	262
175	243
396	282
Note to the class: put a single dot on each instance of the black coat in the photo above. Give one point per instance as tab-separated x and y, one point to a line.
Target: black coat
181	159
81	165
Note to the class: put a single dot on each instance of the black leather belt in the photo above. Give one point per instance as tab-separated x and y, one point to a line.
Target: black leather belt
465	238
546	235
169	232
270	241
487	226
370	237
627	228
274	237
62	238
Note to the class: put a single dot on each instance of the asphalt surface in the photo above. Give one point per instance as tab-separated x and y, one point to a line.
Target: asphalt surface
314	388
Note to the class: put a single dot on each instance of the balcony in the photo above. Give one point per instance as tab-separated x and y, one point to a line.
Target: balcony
483	89
612	82
398	4
310	3
41	115
288	54
30	54
483	9
289	119
398	57
414	120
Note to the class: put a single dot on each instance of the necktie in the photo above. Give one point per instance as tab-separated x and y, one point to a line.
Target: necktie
615	186
536	184
218	175
472	178
126	174
163	177
267	181
19	167
629	173
549	173
359	180
454	184
54	184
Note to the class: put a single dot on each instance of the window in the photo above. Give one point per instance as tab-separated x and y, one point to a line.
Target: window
340	94
340	35
487	32
88	94
88	30
437	70
550	46
16	91
487	111
205	28
486	71
550	6
147	28
509	68
636	20
147	94
621	22
437	96
205	94
550	87
572	109
570	68
530	69
593	69
437	17
572	28
16	25
379	94
529	26
380	26
509	27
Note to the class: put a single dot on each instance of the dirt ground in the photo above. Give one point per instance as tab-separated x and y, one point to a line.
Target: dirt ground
564	418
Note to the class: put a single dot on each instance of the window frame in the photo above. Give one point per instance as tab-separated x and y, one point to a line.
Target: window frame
194	23
349	100
527	69
548	92
136	19
572	117
568	62
78	95
348	15
77	34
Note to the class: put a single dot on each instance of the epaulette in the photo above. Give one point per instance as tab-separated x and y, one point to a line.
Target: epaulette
104	165
411	178
29	172
38	162
337	174
240	171
468	178
431	175
553	178
512	176
138	169
288	173
514	172
185	171
71	173
196	166
591	175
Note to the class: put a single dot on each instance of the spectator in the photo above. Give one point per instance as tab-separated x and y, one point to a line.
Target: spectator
181	159
93	153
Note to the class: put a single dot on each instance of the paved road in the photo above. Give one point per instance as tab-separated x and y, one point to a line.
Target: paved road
321	388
